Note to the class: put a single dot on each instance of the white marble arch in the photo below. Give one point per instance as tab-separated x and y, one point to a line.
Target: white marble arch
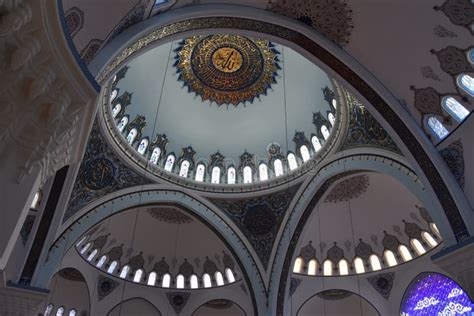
134	197
353	160
131	35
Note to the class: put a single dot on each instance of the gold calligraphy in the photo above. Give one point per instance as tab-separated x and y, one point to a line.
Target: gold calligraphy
227	59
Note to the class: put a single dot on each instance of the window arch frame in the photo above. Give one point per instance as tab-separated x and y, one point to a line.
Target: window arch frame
359	265
170	161
145	147
278	167
231	175
229	275
298	265
206	280
305	155
466	83
219	278
156	152
138	276
166	281
184	168
292	162
152	278
263	172
124	272
247	175
435	125
200	172
216	175
455	109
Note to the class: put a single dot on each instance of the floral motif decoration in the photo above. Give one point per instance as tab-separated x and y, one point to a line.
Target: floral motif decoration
364	130
259	218
105	286
169	215
74	18
101	172
454	157
227	69
348	189
382	283
459	12
332	18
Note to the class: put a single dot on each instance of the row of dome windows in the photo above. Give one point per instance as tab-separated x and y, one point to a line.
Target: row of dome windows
374	262
59	312
138	276
263	171
452	106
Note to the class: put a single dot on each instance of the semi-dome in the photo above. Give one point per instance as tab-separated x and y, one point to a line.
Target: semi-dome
223	109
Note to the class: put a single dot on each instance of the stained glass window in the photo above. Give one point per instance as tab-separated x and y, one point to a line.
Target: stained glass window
116	110
292	161
60	311
123	122
437	127
112	267
263	172
194	282
278	165
169	163
132	135
316	144
48	310
247	174
304	153
466	83
200	172
152	279
325	132
155	155
101	262
113	95
231	175
216	175
180	281
143	146
183	171
455	109
166	280
435	294
72	312
331	118
206	279
138	276
124	272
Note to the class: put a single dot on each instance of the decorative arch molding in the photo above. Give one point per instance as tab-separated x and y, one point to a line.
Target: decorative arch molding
138	196
315	189
232	301
136	299
385	107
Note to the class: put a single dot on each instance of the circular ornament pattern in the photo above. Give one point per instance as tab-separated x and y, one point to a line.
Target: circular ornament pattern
99	174
227	69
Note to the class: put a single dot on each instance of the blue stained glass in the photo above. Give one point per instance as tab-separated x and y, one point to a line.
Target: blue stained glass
435	294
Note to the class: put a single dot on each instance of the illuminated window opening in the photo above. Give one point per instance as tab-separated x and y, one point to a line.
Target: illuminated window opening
343	267
298	265
359	265
312	267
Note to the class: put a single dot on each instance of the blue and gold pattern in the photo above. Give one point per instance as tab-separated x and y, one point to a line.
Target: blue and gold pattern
227	69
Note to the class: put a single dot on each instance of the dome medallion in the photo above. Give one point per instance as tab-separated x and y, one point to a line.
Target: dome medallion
227	69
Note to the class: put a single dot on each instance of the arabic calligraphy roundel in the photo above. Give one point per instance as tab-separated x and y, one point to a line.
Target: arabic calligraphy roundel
227	69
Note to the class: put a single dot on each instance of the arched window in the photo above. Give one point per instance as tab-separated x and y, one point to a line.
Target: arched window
200	170
343	267
116	110
327	267
137	278
151	279
112	267
123	122
143	146
206	279
72	312
416	244
405	253
113	95
429	239
36	201
466	83
166	281
292	161
230	275
101	262
312	267
60	311
325	132
247	174
455	109
437	128
316	144
194	282
298	265
169	163
155	155
85	248
231	175
92	255
183	171
390	258
304	153
124	272
278	166
375	263
359	265
216	175
180	281
132	135
331	119
435	230
334	103
263	172
219	278
81	241
48	310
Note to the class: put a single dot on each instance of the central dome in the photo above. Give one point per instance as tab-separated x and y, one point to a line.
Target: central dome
223	109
